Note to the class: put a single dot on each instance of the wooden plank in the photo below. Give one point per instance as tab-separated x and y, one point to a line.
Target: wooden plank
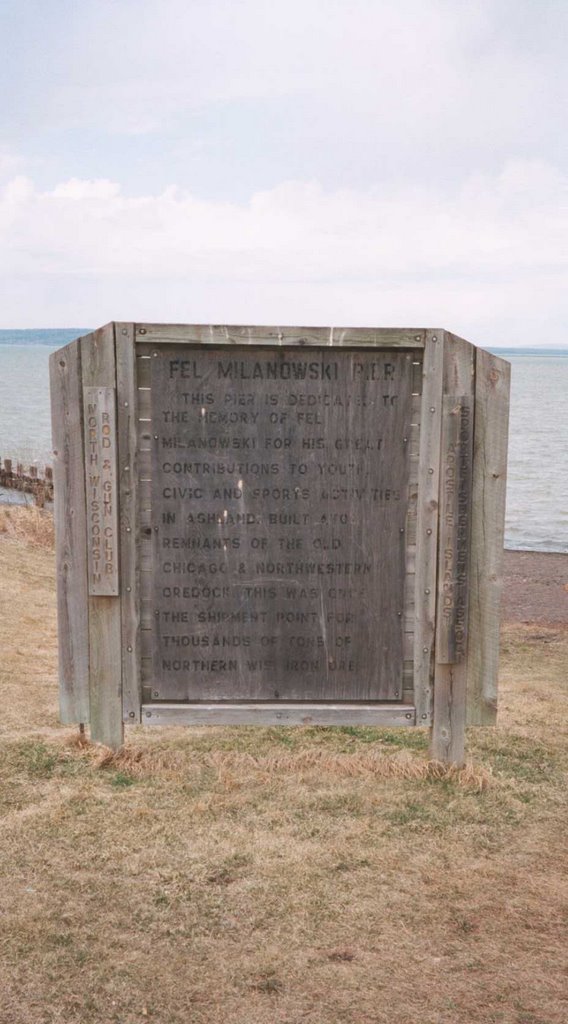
447	740
70	533
427	525
217	334
128	456
454	532
488	526
99	417
379	715
98	371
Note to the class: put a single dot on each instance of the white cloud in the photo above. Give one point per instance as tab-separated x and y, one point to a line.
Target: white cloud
488	257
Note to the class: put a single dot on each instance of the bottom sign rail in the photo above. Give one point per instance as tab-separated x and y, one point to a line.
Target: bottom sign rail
383	715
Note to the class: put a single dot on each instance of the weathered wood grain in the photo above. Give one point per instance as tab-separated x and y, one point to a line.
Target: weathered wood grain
70	533
220	334
454	532
128	472
447	740
488	526
98	370
99	417
427	525
380	715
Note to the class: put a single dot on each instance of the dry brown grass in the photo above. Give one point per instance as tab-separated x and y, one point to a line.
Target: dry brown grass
277	876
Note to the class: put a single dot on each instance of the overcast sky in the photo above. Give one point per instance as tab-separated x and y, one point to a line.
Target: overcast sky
309	161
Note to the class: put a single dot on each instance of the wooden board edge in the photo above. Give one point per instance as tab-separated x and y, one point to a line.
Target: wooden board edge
105	682
447	739
493	376
381	716
427	526
127	410
70	533
237	334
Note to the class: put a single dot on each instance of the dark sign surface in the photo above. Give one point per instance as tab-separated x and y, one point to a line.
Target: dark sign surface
279	502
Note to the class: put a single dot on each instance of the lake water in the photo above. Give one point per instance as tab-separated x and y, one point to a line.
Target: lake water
537	491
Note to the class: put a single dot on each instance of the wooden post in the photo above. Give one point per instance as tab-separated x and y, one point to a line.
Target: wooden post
447	742
98	373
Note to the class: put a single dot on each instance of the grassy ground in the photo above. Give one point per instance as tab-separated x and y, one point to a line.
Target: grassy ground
276	876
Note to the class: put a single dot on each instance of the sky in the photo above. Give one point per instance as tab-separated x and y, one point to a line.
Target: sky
360	163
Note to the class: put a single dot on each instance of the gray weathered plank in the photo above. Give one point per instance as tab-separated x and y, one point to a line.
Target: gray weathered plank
380	715
447	741
98	370
488	525
221	334
128	471
454	532
70	533
427	525
99	417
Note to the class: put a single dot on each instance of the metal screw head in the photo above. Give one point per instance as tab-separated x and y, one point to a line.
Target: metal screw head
156	694
432	408
148	714
129	649
430	471
128	590
425	650
127	469
156	438
131	713
434	337
154	354
427	591
129	529
429	532
408	716
141	330
126	405
124	331
402	529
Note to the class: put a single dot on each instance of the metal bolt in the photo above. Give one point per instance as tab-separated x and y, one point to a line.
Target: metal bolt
399	614
142	330
154	354
434	337
425	649
427	591
404	440
129	649
126	405
402	529
429	532
156	438
124	331
417	337
155	529
128	590
432	408
424	716
408	716
156	694
129	529
430	471
131	713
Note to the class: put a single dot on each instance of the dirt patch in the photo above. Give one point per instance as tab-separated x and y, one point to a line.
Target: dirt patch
536	587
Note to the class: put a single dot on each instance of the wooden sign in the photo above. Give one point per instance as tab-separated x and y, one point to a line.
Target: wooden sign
279	526
101	493
279	506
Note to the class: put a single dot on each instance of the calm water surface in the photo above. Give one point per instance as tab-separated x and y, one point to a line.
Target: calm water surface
537	491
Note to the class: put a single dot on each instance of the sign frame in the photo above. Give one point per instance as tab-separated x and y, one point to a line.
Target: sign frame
104	637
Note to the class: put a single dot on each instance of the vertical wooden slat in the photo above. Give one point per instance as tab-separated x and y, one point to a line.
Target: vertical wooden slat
427	525
488	527
127	406
98	370
70	533
447	742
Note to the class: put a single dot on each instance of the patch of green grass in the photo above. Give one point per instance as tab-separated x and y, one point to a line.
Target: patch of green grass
36	759
121	780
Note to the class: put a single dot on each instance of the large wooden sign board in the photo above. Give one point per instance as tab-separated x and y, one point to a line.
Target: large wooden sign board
279	525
